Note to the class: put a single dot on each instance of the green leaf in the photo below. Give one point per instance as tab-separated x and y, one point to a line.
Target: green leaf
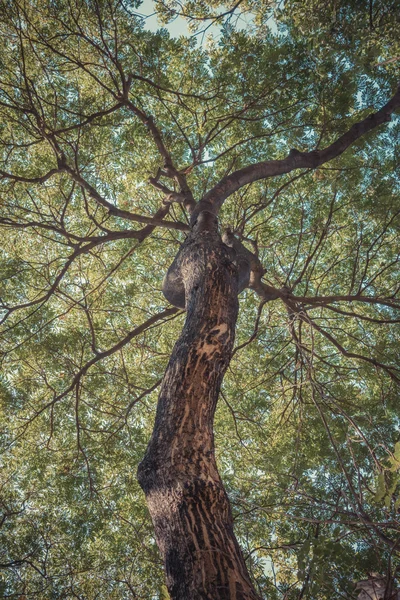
381	488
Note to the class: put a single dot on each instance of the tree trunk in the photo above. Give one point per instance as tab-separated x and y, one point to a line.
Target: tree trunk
186	499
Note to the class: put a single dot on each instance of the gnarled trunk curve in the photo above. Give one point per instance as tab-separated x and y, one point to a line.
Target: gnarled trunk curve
186	499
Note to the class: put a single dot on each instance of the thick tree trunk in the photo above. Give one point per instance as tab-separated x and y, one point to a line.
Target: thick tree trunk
187	501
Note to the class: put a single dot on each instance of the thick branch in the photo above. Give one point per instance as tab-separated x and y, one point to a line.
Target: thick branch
40	179
156	221
298	160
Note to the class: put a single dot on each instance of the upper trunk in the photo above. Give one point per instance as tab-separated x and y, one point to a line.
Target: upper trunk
184	492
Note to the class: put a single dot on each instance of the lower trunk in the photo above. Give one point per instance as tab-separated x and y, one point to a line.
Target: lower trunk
186	499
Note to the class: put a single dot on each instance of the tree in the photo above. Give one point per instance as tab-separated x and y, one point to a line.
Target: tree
262	163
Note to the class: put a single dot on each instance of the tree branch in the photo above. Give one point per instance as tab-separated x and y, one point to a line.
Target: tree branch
168	312
298	160
113	210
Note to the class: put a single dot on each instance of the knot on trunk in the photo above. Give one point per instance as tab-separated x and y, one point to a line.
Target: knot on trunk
205	235
241	258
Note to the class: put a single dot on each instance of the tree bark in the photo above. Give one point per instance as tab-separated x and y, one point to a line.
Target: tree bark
186	499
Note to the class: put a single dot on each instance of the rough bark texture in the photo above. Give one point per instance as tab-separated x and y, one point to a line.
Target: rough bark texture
187	501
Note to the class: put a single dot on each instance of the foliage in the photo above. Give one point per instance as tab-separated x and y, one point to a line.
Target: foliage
95	109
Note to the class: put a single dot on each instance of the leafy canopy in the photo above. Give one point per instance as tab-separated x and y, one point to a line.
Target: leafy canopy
94	108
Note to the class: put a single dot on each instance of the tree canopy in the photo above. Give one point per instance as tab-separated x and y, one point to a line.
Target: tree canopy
109	134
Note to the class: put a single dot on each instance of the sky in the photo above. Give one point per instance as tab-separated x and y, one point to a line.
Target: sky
176	28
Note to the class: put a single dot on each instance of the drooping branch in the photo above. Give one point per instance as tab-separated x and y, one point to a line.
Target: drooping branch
53	287
165	314
298	160
302	314
92	242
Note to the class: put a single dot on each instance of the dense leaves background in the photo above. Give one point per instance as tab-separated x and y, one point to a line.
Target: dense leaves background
307	428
